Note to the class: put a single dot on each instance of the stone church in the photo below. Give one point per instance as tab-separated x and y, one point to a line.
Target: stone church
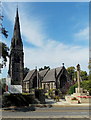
47	79
56	78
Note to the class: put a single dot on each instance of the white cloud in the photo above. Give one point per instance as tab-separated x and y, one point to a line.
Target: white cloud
83	34
55	55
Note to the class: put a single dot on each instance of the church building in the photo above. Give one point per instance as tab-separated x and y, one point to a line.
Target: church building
47	79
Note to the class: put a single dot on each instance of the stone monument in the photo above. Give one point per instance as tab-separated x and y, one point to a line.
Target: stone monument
78	90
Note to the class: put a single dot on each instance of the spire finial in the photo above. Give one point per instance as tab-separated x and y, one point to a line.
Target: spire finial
17	9
17	5
63	64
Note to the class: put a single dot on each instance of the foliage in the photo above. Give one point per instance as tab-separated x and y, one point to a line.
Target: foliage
45	67
72	89
4	53
86	85
72	73
18	100
2	85
4	50
39	94
50	92
83	75
89	66
2	29
57	98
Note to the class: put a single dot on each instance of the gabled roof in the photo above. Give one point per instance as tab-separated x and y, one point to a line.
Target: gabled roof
58	70
42	73
29	75
50	76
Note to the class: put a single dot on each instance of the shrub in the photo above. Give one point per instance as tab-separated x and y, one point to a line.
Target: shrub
18	100
57	98
39	94
72	89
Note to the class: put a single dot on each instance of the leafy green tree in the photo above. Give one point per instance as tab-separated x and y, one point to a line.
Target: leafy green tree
86	85
72	72
4	50
84	75
2	29
72	89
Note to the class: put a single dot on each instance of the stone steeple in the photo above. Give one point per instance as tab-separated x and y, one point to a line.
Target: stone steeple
16	40
16	64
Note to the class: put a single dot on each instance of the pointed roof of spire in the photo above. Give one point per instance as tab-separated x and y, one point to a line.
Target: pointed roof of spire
16	40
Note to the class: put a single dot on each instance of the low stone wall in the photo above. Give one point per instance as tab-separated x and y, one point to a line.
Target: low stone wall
81	100
85	100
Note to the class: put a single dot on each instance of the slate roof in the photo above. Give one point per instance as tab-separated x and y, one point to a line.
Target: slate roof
42	73
58	70
29	75
50	76
47	75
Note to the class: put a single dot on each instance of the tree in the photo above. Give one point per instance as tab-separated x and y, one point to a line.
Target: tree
4	50
83	75
4	53
72	72
2	29
45	67
86	85
72	89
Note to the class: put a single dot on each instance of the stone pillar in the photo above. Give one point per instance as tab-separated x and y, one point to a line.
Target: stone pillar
78	77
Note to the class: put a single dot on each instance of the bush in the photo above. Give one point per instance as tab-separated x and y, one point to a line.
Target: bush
57	98
39	94
18	100
72	89
86	84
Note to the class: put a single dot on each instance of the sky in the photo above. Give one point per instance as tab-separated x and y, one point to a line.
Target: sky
52	33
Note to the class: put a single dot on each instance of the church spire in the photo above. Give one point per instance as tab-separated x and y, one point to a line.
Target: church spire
16	40
16	60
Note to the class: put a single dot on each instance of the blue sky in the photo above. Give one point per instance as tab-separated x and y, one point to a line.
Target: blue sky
52	33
